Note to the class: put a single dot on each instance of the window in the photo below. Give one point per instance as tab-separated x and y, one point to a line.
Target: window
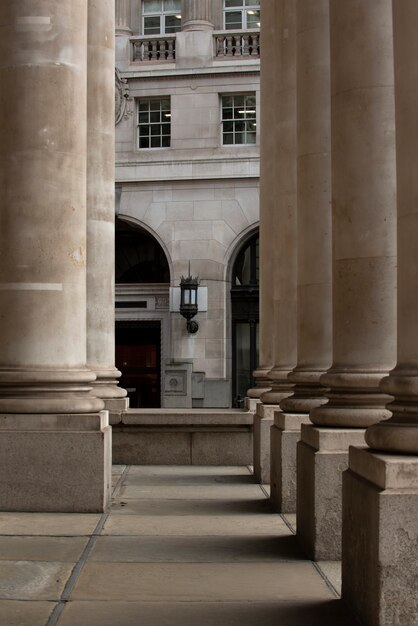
239	122
242	14
161	17
154	124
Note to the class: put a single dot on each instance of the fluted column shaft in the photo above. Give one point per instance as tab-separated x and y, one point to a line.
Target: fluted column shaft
364	211
284	231
268	195
197	14
101	199
123	17
400	433
43	208
314	312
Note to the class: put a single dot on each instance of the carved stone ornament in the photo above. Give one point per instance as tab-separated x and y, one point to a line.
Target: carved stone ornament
122	110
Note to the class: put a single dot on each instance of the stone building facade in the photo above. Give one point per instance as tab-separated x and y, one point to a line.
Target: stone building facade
193	187
338	364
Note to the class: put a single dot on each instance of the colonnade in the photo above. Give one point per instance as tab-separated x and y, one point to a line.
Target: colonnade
57	373
355	126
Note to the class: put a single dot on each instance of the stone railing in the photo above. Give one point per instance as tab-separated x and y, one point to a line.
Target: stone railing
230	45
153	48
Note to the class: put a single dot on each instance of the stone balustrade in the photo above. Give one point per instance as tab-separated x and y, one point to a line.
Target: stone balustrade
227	45
154	48
231	45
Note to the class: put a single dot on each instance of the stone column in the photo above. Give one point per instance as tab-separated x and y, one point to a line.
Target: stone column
54	443
194	45
197	14
314	313
268	180
101	203
364	264
123	17
123	32
380	490
283	233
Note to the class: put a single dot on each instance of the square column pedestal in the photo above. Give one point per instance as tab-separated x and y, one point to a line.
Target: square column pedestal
284	437
55	463
380	537
263	421
322	456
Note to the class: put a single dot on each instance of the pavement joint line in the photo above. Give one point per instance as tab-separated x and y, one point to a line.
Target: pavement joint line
70	584
326	580
264	490
288	524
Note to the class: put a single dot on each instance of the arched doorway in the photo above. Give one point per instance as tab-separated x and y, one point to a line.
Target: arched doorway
142	286
245	318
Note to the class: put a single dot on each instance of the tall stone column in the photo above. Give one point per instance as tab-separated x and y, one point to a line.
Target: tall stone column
268	192
380	490
194	45
123	32
197	14
101	203
364	264
123	17
283	233
54	443
314	312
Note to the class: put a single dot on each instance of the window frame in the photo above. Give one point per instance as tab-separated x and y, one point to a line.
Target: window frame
162	111
243	8
162	17
252	119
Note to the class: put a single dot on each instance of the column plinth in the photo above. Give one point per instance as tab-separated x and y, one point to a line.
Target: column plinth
261	380
123	17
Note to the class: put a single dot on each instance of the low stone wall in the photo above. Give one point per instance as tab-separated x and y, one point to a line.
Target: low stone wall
182	437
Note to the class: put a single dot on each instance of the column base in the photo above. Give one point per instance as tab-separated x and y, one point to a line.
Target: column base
284	436
322	456
55	462
380	537
251	404
263	421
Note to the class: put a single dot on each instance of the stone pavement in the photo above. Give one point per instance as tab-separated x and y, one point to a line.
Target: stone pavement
182	545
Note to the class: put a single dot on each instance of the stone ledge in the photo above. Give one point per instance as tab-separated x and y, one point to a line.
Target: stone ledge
183	417
331	439
75	422
386	471
290	421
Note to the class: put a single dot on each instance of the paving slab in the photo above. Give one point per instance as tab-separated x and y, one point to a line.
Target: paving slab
48	524
18	613
149	471
194	525
207	582
193	507
184	480
332	571
189	492
33	580
244	549
63	549
278	613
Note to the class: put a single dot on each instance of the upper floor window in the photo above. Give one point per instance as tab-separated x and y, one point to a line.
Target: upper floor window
161	17
239	119
242	14
154	123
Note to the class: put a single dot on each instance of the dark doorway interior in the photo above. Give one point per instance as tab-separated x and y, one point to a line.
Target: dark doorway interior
138	357
245	319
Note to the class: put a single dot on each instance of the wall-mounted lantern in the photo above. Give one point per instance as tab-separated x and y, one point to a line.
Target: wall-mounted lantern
188	301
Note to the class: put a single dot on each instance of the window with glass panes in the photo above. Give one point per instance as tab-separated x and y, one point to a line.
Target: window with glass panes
239	121
161	17
154	123
242	14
